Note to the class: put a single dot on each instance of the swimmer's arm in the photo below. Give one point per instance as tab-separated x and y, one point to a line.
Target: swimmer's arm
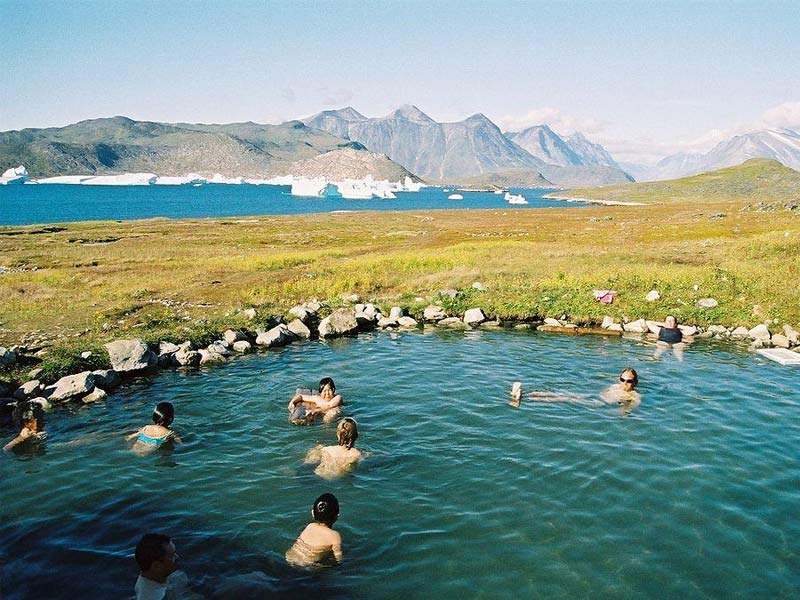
24	434
128	438
174	437
332	403
336	547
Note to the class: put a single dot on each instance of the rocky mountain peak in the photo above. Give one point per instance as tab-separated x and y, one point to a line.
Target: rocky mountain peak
409	112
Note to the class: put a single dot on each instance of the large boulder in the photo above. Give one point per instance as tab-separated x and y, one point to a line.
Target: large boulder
386	322
187	357
280	335
106	379
551	322
780	341
166	351
130	355
220	347
366	322
300	312
654	326
434	313
7	357
740	332
607	322
72	386
340	322
395	313
474	317
790	334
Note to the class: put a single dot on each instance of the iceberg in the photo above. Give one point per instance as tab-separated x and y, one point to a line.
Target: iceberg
190	179
15	175
219	178
66	179
124	179
308	187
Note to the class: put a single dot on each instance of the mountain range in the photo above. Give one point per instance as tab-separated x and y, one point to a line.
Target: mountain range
472	147
782	145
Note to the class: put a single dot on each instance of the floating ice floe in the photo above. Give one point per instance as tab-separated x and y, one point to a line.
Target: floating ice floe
219	178
66	179
351	189
455	197
14	175
515	198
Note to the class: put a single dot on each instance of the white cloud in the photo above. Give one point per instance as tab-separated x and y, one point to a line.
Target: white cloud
558	122
783	115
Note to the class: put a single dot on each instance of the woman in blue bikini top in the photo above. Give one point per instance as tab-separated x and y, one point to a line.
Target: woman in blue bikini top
153	436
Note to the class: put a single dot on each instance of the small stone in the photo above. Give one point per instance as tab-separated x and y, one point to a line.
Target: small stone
477	285
209	357
780	341
300	329
395	313
29	389
654	326
72	386
106	379
35	373
452	322
95	395
280	335
434	313
7	357
790	334
231	336
652	296
607	322
86	354
707	303
638	326
407	322
242	346
250	313
385	322
340	322
759	332
449	293
688	330
549	321
615	327
474	316
740	332
351	298
719	330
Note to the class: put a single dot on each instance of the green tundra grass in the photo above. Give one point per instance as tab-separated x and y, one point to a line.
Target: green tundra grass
164	279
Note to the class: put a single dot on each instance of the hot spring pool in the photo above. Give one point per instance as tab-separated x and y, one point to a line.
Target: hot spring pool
695	494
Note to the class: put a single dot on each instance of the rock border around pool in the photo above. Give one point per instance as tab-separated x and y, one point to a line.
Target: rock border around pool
133	357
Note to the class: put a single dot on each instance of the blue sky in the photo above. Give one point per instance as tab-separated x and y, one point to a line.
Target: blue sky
643	78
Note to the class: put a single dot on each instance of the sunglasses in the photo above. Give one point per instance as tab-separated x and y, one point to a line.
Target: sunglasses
623	380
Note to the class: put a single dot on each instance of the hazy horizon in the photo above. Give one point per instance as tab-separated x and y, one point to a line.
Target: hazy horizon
645	80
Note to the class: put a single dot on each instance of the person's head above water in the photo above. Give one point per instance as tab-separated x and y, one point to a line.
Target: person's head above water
156	556
670	322
29	414
326	509
629	379
347	432
164	414
327	382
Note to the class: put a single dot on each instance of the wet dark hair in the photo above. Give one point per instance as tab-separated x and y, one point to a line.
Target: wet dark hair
164	414
347	432
327	381
326	509
26	411
152	547
632	372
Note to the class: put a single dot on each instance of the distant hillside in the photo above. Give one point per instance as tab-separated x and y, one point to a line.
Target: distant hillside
120	144
522	178
754	180
348	163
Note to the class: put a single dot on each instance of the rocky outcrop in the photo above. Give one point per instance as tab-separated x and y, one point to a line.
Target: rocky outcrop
130	355
72	386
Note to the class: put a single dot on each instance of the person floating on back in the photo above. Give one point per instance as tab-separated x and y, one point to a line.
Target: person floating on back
151	437
337	460
29	416
304	407
318	544
670	335
156	557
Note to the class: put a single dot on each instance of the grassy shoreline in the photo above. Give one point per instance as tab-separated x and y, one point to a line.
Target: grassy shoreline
183	279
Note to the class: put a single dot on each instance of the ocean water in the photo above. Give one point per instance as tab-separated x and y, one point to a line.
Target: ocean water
695	494
56	203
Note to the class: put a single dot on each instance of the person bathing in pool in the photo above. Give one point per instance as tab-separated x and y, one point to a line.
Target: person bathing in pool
622	393
150	437
327	403
29	416
318	544
337	460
